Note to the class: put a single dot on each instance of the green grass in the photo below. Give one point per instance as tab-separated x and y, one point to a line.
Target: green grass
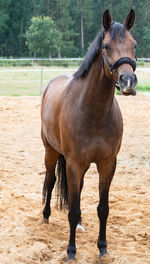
27	83
139	88
143	64
143	88
47	63
53	63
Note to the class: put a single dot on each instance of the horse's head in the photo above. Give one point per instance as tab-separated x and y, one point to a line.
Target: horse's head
118	50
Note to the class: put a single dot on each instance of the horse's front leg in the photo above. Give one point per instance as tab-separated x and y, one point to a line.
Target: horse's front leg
106	172
74	177
79	226
103	211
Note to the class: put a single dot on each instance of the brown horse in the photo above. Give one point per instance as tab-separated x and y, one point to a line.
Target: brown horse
82	123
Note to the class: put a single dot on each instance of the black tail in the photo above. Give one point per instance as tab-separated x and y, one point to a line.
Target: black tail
62	186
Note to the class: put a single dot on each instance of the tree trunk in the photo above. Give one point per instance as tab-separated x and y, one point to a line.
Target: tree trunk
21	31
48	8
82	34
148	53
59	53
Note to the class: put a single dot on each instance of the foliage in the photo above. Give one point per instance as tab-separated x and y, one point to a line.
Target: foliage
42	37
79	21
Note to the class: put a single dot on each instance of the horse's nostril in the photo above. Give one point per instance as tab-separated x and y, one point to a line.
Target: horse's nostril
128	80
134	78
122	78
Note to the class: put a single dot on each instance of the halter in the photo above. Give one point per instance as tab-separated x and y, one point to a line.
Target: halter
117	63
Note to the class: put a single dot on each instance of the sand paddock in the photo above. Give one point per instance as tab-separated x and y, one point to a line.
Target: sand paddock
23	239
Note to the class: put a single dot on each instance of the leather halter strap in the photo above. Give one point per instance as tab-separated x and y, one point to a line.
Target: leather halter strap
122	61
117	63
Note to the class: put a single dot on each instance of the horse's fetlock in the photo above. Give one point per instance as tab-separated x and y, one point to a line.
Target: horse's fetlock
102	244
71	250
46	212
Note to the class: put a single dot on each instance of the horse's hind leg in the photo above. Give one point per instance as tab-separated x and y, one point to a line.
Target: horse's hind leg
106	172
51	157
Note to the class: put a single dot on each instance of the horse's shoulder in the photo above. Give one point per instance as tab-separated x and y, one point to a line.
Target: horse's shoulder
116	107
56	85
61	79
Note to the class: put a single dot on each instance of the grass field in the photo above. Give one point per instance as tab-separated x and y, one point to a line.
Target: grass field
19	81
26	81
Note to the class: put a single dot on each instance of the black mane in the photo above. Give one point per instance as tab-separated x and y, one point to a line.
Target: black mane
116	29
90	56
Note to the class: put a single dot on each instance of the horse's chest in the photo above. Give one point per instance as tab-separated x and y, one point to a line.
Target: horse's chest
101	141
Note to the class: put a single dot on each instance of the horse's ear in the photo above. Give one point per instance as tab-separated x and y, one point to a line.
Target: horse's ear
106	20
130	20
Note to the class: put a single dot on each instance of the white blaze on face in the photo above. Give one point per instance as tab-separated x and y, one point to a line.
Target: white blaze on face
128	85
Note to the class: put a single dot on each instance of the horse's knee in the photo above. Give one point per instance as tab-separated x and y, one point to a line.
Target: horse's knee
103	211
74	216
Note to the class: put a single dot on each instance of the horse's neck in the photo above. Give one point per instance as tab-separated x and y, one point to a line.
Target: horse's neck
98	89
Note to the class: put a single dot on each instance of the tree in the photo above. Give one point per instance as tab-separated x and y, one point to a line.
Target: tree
60	11
78	20
43	39
4	17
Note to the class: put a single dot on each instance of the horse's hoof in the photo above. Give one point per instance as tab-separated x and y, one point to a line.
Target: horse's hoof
80	227
71	256
106	258
44	221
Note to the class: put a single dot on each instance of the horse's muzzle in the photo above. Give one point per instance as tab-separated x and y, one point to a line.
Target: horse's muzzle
127	83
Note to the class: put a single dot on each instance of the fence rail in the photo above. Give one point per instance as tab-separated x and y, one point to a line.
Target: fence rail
56	59
39	70
20	80
64	62
41	59
29	78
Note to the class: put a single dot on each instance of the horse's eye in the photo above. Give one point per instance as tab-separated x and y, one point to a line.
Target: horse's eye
107	47
135	46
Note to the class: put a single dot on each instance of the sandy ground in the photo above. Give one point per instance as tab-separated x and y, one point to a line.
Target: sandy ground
23	239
